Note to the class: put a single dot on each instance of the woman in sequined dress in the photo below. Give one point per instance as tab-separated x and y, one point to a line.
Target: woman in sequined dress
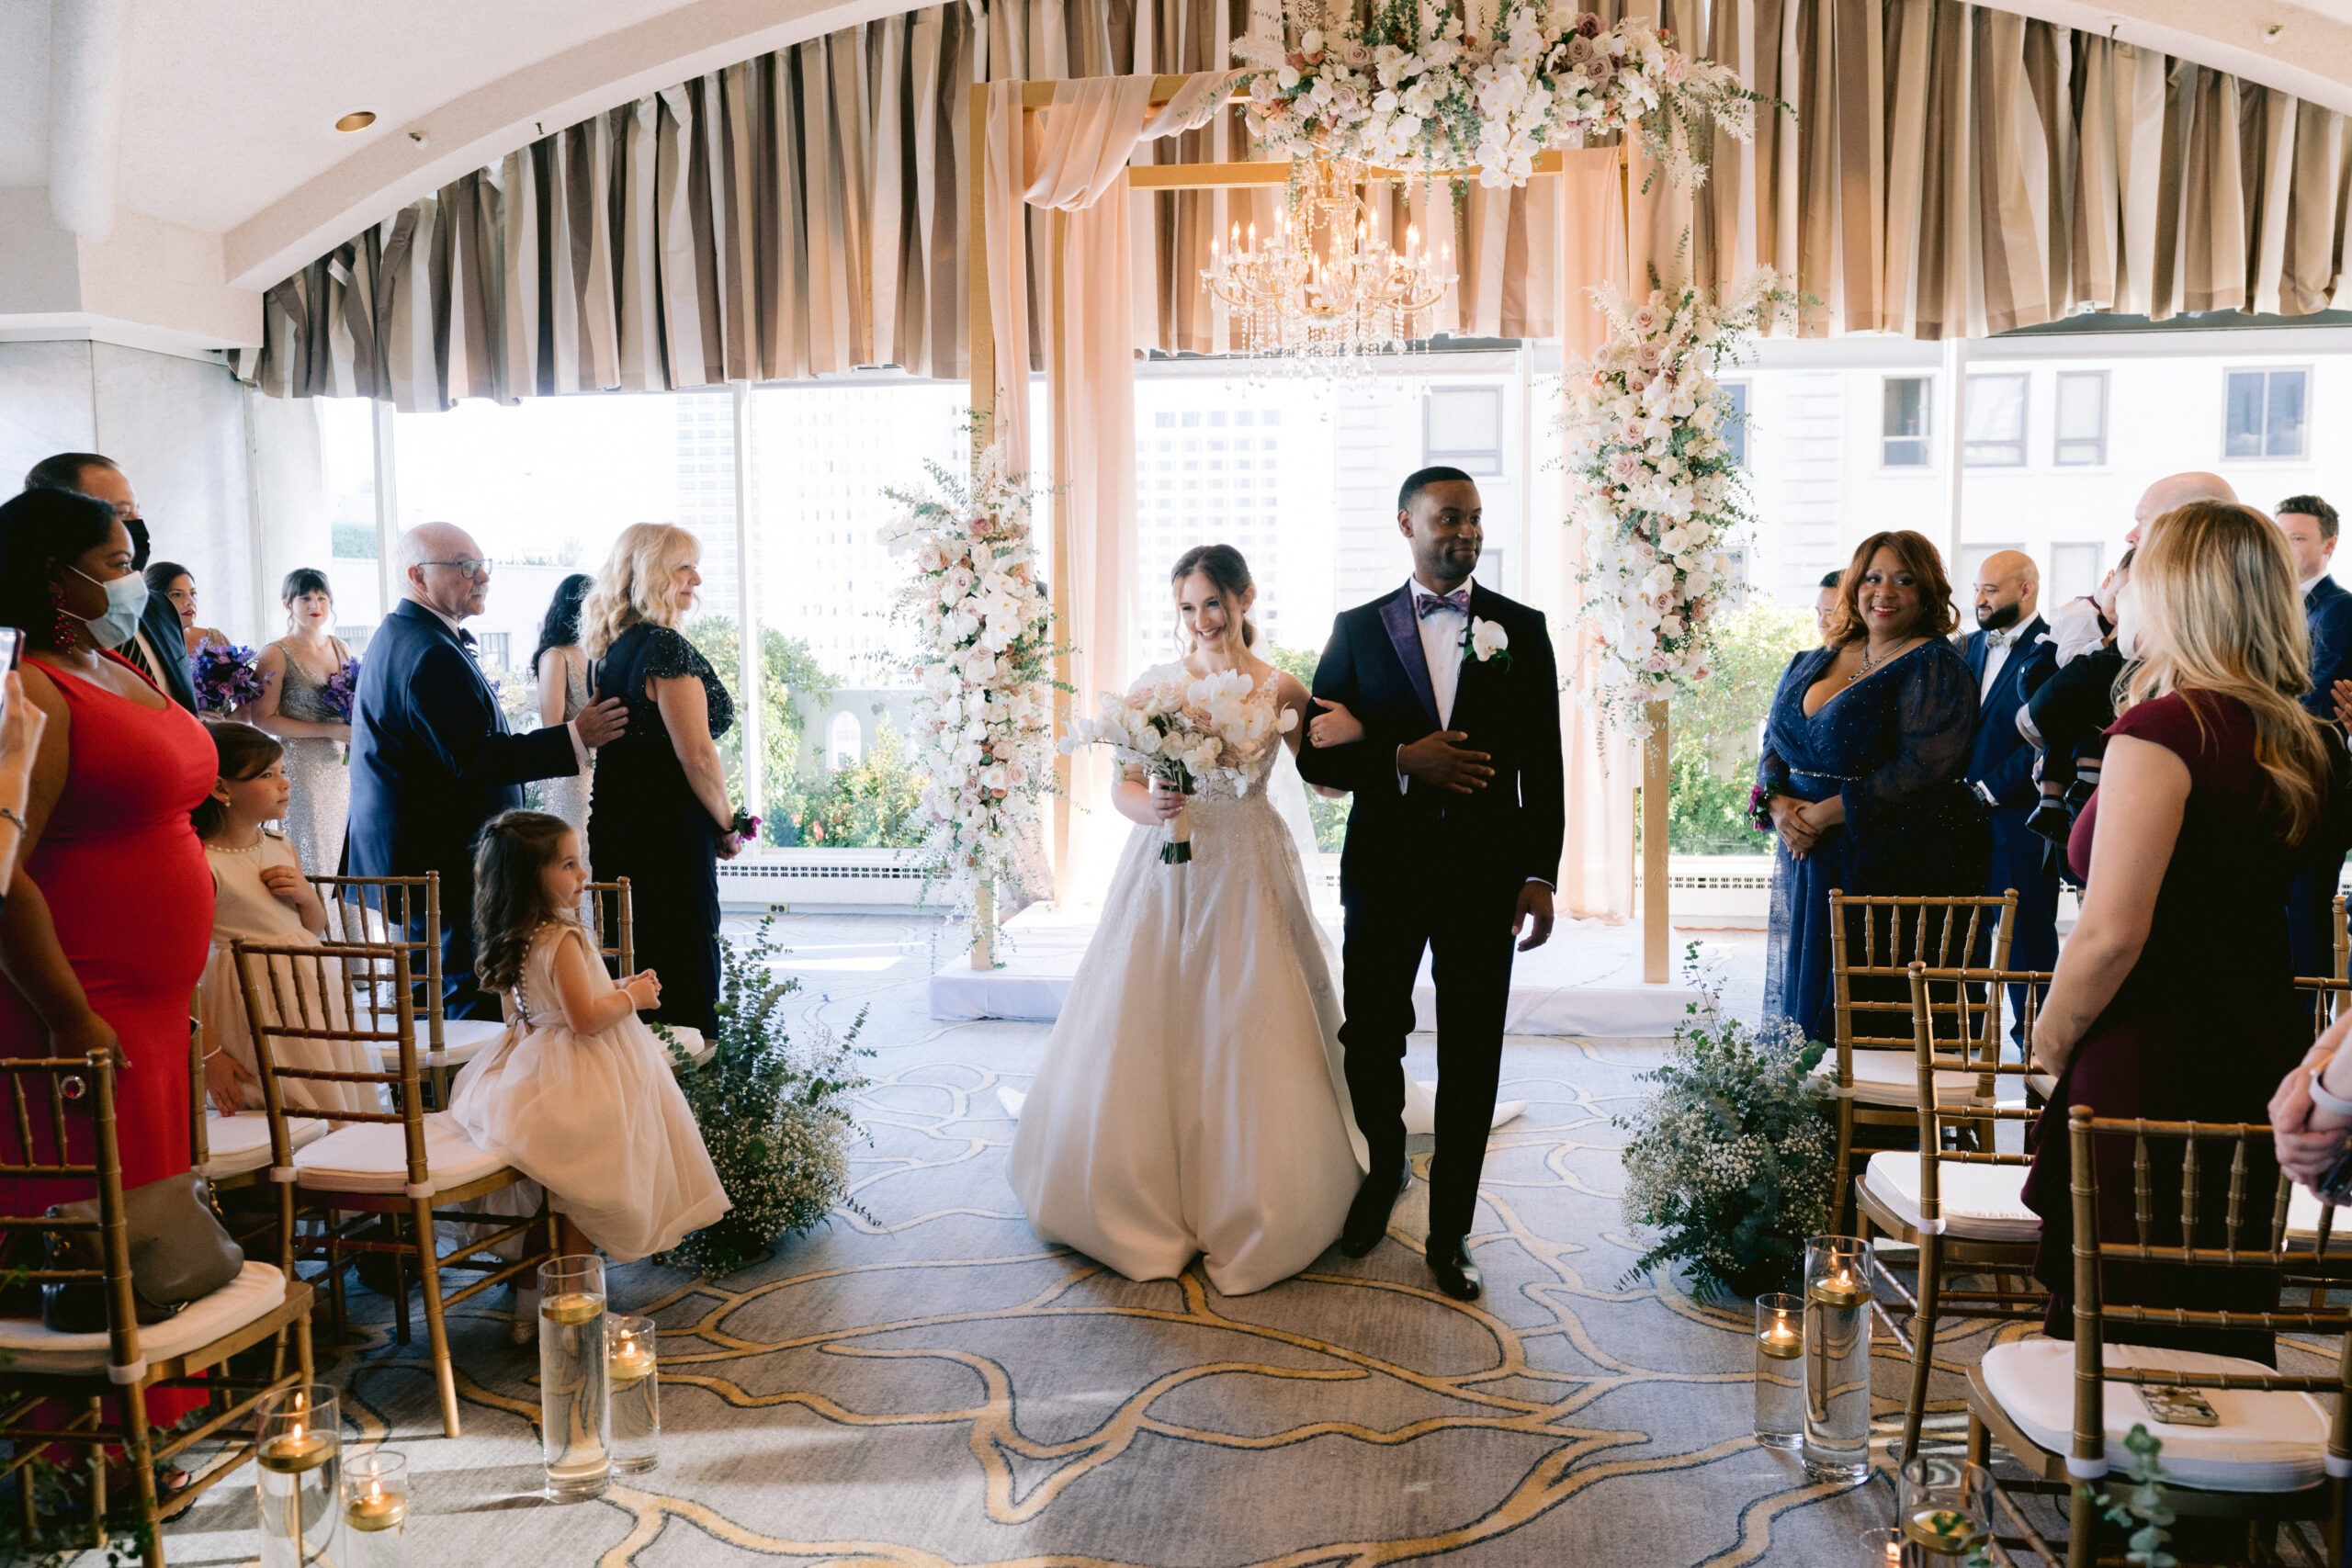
292	706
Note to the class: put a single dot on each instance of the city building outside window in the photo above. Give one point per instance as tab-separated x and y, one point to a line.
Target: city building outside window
1994	437
1903	428
2081	418
2267	414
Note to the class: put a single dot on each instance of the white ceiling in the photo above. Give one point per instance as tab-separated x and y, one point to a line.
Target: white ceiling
228	125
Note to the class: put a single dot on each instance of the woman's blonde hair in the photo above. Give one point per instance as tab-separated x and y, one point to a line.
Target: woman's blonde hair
2216	597
635	584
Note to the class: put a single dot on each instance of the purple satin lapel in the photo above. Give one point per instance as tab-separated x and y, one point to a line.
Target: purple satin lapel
1405	635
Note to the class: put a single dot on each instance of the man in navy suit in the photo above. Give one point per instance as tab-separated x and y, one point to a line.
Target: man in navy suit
159	646
432	759
2010	660
2309	525
1454	843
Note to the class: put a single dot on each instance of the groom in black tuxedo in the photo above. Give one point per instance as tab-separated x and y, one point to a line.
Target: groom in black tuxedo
1453	843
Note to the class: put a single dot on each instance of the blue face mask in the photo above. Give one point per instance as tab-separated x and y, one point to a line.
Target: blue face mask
126	602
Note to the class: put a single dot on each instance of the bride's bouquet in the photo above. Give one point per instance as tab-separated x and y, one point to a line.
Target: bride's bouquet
1186	732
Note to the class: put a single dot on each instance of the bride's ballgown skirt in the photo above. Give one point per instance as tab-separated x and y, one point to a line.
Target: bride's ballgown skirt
1190	1100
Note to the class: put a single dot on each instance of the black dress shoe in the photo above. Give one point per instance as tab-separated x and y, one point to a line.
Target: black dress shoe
1368	1216
1457	1275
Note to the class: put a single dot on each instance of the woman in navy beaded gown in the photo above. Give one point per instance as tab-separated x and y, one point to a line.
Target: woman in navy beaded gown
1862	769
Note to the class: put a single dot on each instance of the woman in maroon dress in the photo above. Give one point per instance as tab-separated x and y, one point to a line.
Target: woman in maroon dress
2174	999
107	923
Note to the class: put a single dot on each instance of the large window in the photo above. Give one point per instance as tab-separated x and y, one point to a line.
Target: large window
1904	427
1462	428
1994	437
2073	572
2267	414
2081	418
1734	429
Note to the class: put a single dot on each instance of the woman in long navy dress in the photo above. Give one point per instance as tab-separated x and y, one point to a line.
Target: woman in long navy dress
659	814
1862	771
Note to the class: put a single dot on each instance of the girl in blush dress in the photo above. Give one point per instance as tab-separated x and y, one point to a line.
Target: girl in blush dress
1865	753
577	1095
260	895
292	706
563	671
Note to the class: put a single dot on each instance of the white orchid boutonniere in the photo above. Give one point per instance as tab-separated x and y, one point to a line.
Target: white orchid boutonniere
1486	642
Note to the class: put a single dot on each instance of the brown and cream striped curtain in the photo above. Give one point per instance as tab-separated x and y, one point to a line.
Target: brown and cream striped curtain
1949	169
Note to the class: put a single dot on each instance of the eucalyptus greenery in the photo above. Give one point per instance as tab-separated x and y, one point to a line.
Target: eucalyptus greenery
775	1115
1732	1161
2141	1510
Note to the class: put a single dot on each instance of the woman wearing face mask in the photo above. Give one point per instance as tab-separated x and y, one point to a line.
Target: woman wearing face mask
2218	789
106	927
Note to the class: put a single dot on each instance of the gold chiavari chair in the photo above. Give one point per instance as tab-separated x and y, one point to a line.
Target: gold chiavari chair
1957	1199
405	911
1873	941
2277	1455
394	1165
611	918
45	1098
2329	999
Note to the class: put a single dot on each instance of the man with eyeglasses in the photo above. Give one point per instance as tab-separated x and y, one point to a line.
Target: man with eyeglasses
158	646
432	759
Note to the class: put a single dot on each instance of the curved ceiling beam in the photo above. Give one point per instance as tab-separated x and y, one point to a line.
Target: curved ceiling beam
2303	47
88	44
484	125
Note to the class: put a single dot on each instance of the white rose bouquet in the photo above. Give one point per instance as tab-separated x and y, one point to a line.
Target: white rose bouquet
1659	492
984	719
1186	732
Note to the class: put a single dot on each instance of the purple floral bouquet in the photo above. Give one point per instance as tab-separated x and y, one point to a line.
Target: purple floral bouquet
227	678
340	694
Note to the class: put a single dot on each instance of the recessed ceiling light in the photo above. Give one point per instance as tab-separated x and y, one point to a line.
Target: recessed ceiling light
358	120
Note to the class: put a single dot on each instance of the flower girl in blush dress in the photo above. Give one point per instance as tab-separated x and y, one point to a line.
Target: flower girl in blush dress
1190	1101
577	1095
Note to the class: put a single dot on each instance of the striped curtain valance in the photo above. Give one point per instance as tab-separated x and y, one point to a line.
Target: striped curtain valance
1949	169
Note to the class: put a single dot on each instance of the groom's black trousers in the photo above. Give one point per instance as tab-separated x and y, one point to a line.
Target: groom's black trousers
1464	923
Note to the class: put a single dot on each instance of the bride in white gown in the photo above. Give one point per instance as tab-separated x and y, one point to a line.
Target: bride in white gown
1190	1101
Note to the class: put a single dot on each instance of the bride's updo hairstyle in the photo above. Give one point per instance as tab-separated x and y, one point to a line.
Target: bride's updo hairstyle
1227	571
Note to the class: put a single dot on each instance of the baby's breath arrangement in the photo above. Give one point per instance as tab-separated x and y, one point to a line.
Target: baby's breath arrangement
1731	1161
775	1115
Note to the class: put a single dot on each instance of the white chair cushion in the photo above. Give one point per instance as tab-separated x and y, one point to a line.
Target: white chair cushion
2265	1442
239	1144
257	1289
1982	1203
462	1039
372	1156
697	1048
1892	1078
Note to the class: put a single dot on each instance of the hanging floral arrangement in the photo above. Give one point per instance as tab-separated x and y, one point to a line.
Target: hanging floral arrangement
1658	490
1409	86
984	717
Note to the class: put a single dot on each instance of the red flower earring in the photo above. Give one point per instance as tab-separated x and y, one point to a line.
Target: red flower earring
67	625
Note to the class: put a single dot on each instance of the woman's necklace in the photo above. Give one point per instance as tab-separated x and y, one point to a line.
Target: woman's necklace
1867	662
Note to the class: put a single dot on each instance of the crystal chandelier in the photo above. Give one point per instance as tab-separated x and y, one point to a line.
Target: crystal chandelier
1319	290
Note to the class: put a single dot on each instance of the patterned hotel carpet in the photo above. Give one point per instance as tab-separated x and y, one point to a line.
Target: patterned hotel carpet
937	1388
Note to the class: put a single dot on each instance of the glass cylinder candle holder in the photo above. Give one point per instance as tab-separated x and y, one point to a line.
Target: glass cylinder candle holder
1944	1509
637	1406
575	1415
298	1474
1836	1357
1883	1549
375	1510
1780	1371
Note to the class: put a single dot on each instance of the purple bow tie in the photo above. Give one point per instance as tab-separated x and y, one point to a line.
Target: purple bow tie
1428	604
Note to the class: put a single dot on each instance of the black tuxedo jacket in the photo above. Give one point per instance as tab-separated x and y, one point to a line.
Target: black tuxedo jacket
432	759
2327	615
1511	829
2002	762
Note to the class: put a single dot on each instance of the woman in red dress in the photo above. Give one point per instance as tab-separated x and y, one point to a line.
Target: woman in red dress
2175	998
108	920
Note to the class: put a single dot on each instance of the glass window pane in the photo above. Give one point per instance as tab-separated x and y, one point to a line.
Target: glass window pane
1734	429
1462	429
347	464
1996	421
2073	572
839	701
1906	406
2242	434
2082	417
2284	417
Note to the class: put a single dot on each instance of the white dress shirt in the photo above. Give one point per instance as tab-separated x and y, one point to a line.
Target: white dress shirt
1441	632
2303	589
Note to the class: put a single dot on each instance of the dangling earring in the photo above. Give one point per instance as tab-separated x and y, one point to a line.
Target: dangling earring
66	627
